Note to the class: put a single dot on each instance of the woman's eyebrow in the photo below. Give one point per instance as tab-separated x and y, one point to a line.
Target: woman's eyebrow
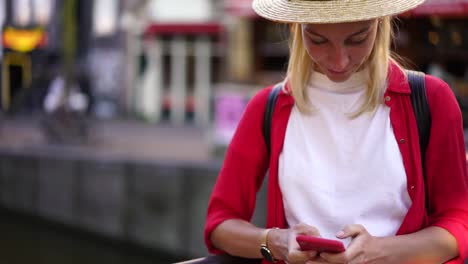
351	35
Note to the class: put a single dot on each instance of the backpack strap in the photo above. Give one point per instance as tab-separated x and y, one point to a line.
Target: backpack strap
421	110
268	114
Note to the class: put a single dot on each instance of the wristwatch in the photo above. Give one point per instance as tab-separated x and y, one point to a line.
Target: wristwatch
266	252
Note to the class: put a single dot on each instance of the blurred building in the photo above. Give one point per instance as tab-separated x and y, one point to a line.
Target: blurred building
34	43
27	38
434	38
156	60
198	64
174	57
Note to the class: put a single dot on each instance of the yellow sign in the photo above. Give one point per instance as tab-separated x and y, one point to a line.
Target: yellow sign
24	40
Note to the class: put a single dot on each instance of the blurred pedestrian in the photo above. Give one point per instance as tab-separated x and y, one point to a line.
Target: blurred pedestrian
345	160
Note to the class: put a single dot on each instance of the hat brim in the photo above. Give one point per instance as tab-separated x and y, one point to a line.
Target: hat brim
331	11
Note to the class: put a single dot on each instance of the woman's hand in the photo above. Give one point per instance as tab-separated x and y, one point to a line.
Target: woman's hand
284	246
363	249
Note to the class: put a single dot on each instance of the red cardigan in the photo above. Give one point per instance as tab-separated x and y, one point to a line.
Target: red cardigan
445	186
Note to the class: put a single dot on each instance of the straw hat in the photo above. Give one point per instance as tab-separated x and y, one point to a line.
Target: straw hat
330	11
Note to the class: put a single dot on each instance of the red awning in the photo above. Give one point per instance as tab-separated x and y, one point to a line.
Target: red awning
183	28
455	8
241	8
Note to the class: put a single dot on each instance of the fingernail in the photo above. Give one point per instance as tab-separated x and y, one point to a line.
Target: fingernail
340	233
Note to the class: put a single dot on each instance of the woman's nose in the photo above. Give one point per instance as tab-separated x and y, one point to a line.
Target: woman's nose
339	59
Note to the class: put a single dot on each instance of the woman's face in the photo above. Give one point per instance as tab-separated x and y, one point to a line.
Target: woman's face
339	50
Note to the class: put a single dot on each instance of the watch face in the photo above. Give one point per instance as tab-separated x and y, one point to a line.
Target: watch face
266	253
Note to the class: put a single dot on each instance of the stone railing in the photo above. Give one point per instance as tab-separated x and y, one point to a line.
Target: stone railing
158	205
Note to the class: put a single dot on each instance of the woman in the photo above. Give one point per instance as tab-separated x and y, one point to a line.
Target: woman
345	161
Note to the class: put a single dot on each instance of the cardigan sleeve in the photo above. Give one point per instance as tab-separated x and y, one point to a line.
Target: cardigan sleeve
243	170
446	169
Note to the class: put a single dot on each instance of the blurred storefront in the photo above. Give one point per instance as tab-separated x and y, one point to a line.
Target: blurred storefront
174	59
179	61
36	34
258	49
27	37
155	60
434	38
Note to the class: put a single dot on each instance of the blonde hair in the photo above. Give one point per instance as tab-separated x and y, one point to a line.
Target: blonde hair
300	67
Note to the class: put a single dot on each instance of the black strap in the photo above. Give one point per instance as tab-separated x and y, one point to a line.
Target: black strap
267	116
421	110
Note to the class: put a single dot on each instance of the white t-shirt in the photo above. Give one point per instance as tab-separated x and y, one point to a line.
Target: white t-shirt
335	171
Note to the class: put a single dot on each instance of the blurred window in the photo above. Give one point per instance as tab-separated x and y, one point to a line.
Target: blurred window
2	21
171	11
2	12
105	14
271	51
241	8
22	12
42	10
29	12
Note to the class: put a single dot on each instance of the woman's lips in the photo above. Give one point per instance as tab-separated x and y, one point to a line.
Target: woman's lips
337	72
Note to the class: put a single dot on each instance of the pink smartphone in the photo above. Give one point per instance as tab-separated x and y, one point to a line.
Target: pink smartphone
320	244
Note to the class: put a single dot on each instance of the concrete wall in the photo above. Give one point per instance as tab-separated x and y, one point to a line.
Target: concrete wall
160	206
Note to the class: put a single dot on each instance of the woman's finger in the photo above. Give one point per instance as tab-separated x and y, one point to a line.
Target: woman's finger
306	230
351	231
299	257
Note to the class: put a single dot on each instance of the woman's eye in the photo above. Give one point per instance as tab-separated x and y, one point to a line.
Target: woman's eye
357	41
318	42
315	39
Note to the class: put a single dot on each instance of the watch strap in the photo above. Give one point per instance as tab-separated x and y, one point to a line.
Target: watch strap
264	249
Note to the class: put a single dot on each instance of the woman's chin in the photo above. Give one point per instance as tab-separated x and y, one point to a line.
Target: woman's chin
338	76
